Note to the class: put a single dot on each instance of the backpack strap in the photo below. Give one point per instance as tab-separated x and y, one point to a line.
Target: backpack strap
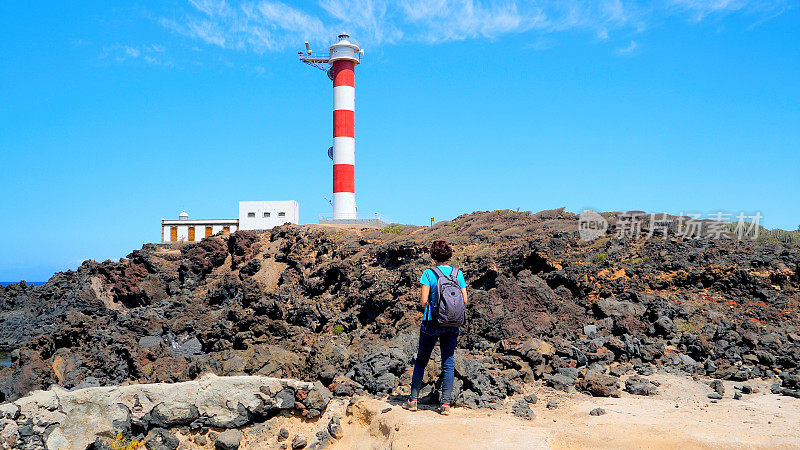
436	270
454	275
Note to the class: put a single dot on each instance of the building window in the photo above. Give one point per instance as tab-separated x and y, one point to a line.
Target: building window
191	234
173	234
281	214
251	214
209	231
266	215
226	229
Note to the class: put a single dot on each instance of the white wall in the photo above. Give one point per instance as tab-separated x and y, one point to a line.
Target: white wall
290	207
199	231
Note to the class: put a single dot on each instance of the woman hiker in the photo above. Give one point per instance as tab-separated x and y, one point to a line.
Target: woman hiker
439	328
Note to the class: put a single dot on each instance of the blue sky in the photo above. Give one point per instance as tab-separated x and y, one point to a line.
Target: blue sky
114	115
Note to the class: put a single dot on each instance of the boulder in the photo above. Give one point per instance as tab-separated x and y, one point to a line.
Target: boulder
613	308
175	414
600	385
522	410
379	369
637	385
597	412
317	400
560	382
299	441
228	440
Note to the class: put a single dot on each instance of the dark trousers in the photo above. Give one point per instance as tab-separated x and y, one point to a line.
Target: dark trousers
429	333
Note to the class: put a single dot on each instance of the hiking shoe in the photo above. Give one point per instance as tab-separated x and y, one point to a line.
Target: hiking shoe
444	409
410	405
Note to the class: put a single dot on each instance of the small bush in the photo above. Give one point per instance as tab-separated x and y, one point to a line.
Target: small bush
684	326
120	443
338	329
600	257
392	229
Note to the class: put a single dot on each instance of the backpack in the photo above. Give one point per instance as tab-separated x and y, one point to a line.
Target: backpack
448	300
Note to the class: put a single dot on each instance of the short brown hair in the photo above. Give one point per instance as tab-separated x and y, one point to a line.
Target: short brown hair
441	251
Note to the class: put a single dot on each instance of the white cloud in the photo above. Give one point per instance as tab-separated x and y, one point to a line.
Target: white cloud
272	25
150	54
699	10
627	50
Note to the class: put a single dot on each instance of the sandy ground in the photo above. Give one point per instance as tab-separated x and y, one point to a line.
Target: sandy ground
680	416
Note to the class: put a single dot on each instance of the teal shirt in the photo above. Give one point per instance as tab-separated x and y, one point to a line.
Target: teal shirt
429	279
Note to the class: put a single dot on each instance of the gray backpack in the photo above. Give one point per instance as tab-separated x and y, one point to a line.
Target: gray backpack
448	301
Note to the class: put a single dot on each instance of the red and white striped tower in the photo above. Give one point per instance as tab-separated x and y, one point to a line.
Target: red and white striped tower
344	56
340	63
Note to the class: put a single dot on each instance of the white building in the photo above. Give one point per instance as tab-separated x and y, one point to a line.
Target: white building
253	215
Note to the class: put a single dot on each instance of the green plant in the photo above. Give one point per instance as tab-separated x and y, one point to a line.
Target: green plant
600	257
685	326
338	329
392	229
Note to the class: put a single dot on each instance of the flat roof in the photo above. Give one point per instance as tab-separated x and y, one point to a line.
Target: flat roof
199	221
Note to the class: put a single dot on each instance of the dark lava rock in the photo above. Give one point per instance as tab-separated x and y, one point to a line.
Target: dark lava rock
597	412
522	410
335	427
637	385
150	341
228	440
600	385
186	347
323	438
285	398
161	439
645	370
283	434
718	387
715	396
345	387
299	441
560	382
250	268
531	398
165	417
317	400
379	369
553	403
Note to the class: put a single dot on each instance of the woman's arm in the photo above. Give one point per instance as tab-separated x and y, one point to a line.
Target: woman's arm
424	294
464	294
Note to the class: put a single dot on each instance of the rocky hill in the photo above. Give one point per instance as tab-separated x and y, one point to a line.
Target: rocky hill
341	307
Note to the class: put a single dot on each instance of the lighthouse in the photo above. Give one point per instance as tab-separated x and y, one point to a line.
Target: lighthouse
344	55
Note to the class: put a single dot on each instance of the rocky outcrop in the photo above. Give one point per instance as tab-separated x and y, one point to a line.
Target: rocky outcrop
340	307
92	417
